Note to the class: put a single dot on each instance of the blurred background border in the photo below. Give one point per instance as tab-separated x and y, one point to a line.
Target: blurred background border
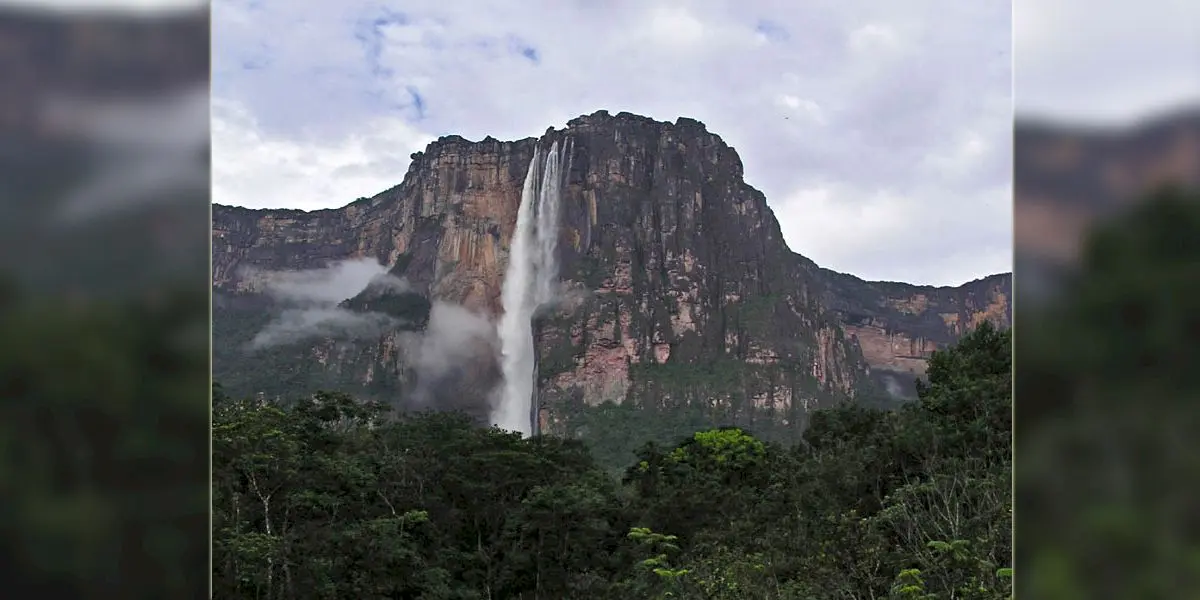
104	307
1106	281
104	283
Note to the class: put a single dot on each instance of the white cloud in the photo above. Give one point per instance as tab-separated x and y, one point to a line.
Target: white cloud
356	84
109	5
873	38
957	161
879	236
451	338
312	297
1105	60
674	26
328	286
806	109
253	168
146	150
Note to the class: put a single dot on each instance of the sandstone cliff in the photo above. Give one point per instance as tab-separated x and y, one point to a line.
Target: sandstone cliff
898	326
684	306
1069	178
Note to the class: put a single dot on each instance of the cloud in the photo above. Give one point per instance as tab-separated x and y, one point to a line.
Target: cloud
312	298
1107	60
452	357
454	336
806	109
146	151
323	287
253	168
966	239
453	361
873	38
299	324
151	123
866	99
118	6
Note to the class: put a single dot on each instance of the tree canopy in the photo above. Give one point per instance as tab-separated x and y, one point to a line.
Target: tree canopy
326	497
1107	414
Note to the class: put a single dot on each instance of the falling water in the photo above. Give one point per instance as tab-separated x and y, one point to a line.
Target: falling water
529	284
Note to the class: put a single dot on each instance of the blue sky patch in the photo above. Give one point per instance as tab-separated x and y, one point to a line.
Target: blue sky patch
772	30
524	49
418	102
369	33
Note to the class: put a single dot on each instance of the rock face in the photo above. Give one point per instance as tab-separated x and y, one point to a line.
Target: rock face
86	58
682	303
97	54
898	326
1067	179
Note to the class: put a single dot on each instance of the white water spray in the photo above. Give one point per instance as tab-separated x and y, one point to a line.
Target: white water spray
529	284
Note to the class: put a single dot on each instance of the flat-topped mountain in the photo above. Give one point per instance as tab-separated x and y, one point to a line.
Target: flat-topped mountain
682	303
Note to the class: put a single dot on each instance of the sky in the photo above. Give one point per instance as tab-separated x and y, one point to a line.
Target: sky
106	5
1105	61
880	132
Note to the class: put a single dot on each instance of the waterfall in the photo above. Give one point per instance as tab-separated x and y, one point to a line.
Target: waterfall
530	283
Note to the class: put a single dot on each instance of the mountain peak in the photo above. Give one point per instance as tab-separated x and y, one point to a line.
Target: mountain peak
600	120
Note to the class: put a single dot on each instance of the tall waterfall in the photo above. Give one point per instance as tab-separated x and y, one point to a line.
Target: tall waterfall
530	283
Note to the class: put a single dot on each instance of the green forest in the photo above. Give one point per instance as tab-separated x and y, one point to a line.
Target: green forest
104	477
329	497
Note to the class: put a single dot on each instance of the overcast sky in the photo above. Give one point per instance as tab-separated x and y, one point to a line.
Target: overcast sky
1106	61
879	131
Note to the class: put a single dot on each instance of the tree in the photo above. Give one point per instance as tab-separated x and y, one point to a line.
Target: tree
327	497
1107	394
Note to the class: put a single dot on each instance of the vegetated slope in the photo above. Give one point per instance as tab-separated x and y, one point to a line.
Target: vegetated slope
362	506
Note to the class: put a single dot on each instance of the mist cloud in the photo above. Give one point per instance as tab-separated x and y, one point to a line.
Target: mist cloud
453	360
898	386
328	286
294	325
453	335
146	151
312	299
455	352
893	387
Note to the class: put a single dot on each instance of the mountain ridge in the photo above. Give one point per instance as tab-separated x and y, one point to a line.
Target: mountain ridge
684	302
682	121
1070	177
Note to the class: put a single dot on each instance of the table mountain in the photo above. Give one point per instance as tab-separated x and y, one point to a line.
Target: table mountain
1070	178
682	304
